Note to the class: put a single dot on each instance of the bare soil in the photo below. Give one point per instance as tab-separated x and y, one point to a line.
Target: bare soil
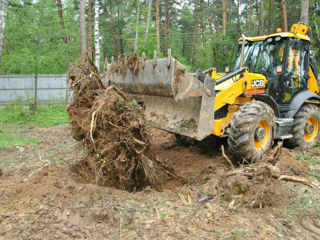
43	197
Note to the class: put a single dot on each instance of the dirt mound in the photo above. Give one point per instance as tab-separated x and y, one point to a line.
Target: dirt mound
251	186
259	185
288	165
111	125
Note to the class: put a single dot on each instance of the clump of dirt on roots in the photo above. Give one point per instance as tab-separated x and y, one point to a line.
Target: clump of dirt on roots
123	64
112	128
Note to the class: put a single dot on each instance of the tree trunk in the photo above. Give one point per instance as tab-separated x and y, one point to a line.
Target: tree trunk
195	35
146	35
304	17
96	33
261	18
137	32
224	17
249	18
202	21
63	30
82	28
3	16
238	17
210	22
90	52
316	9
269	17
167	25
120	30
229	7
284	14
217	25
35	100
115	51
158	24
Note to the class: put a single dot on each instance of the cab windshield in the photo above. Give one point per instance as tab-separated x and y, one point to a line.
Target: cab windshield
261	56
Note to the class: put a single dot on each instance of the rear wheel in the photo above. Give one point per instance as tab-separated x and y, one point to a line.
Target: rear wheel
305	128
251	131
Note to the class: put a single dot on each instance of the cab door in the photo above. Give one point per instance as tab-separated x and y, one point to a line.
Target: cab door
295	69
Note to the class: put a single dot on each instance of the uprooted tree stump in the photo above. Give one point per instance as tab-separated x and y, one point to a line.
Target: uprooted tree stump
112	128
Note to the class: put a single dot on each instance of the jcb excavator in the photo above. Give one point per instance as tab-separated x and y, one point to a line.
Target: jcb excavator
271	93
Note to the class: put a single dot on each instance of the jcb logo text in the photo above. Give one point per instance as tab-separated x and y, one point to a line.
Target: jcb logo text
257	83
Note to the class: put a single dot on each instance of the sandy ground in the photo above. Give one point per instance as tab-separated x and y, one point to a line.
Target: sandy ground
42	197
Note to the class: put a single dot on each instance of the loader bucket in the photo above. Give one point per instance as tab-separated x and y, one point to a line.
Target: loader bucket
175	101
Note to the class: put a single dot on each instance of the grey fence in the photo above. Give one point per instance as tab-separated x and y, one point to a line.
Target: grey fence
51	88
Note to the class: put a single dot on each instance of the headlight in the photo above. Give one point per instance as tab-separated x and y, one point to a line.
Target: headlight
278	38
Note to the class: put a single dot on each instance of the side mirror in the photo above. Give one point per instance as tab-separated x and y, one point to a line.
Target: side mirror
227	70
279	70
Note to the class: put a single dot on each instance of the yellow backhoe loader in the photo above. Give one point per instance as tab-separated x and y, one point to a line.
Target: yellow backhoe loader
271	93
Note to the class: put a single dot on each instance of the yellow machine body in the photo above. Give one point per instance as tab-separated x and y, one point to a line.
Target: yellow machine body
238	89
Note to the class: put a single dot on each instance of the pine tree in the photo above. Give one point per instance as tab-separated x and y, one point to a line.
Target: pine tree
82	28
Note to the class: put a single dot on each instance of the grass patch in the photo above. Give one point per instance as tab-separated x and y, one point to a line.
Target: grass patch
45	116
16	118
307	158
8	139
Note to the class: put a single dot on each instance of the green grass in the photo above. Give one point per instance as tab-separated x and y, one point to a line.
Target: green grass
8	139
16	118
45	116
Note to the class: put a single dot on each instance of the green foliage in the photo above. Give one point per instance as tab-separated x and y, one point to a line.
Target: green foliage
33	29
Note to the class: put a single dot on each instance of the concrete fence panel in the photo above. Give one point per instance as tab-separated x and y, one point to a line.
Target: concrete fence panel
51	88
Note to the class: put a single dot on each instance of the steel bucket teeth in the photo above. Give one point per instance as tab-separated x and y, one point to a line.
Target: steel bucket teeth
160	77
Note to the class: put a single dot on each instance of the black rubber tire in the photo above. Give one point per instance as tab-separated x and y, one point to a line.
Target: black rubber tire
242	131
298	130
184	140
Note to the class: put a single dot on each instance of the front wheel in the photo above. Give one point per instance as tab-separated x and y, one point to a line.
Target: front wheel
305	128
251	131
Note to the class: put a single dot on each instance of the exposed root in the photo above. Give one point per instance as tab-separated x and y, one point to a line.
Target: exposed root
226	157
111	125
298	180
253	185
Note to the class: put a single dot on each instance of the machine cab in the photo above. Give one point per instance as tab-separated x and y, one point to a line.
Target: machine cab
284	59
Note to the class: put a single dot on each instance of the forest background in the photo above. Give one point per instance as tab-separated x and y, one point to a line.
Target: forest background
43	36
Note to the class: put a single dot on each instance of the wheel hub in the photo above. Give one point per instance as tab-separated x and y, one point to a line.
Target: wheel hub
309	128
259	134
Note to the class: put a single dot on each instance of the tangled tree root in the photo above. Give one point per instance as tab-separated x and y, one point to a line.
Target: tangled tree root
257	185
112	127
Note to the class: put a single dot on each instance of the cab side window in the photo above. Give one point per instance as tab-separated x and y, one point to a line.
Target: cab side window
295	76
